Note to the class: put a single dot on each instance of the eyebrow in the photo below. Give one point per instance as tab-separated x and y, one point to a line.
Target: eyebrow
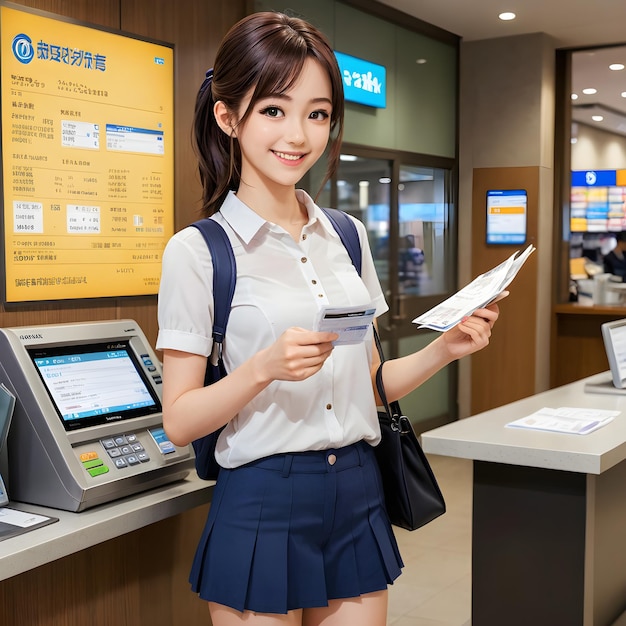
283	96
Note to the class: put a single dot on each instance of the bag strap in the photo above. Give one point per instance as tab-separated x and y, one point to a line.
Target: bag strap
224	280
348	234
350	238
397	420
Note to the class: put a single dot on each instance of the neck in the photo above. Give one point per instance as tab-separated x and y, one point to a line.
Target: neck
281	207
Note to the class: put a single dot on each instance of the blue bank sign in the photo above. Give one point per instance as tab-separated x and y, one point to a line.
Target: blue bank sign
363	81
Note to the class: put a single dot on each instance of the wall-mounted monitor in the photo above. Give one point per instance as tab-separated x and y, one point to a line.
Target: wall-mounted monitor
507	216
87	158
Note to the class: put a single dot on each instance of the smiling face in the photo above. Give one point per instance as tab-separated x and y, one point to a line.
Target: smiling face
285	134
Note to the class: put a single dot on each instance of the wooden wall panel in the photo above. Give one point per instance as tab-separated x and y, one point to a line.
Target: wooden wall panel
139	579
103	13
505	371
578	349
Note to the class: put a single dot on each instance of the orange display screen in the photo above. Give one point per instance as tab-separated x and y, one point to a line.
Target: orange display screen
506	216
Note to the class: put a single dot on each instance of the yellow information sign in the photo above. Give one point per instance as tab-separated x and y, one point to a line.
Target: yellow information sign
87	159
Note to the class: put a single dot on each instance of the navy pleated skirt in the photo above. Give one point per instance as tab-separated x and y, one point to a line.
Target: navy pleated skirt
293	531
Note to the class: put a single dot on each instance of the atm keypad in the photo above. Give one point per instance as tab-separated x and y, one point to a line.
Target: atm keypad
125	450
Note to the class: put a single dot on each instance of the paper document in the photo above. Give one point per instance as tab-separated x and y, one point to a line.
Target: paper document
351	323
20	518
14	522
566	420
480	292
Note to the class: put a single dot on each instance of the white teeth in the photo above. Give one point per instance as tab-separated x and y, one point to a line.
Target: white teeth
288	157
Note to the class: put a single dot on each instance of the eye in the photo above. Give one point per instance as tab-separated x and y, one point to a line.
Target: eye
272	111
319	115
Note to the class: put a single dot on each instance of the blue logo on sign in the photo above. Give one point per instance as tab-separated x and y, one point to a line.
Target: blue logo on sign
159	60
594	178
22	47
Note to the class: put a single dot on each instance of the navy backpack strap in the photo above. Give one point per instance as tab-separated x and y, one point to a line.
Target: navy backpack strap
347	233
224	275
224	280
350	238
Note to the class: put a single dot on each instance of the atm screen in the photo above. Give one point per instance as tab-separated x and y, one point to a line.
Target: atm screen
94	384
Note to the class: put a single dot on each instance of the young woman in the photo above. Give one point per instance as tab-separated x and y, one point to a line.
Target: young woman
297	531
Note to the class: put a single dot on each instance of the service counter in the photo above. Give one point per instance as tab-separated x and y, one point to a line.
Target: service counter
549	512
123	562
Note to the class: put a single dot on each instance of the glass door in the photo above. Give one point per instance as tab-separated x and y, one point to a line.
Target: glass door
405	203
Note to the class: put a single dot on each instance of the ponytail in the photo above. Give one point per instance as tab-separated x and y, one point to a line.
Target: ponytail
217	153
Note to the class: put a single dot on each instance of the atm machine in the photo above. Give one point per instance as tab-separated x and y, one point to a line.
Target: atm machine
87	424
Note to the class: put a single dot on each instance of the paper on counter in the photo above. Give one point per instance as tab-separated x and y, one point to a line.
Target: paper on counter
351	323
578	421
20	518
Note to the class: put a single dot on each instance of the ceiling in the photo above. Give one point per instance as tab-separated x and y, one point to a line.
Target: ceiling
571	23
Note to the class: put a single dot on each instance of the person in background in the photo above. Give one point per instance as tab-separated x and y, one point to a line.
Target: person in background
615	261
297	533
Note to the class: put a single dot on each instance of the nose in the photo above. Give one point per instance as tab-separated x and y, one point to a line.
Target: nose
295	132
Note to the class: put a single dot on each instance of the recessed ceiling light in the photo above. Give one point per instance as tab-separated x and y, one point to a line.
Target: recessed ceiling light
623	94
420	61
597	118
616	66
507	16
347	157
590	91
574	96
384	180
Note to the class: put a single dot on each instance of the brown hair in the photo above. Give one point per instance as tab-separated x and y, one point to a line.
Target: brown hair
266	51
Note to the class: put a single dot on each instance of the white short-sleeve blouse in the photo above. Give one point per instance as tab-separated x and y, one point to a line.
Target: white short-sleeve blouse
280	283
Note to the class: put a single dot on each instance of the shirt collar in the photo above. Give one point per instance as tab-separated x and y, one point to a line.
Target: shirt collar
246	223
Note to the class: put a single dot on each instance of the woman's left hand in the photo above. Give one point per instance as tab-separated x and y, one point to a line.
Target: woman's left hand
471	334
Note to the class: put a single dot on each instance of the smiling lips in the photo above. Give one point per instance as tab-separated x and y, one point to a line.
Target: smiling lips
288	157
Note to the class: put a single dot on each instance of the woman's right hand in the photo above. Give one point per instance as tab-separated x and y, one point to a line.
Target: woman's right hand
191	410
296	355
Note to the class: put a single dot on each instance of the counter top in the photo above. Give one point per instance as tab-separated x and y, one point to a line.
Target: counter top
573	308
484	437
77	531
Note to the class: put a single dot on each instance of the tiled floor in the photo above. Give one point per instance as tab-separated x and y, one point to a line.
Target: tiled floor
435	586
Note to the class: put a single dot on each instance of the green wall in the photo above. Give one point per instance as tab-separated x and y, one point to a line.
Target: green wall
421	98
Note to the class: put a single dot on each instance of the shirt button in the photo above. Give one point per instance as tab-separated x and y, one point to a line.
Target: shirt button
303	259
320	295
314	282
303	237
329	406
332	459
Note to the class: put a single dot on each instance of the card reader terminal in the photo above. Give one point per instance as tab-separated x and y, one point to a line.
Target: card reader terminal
87	425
